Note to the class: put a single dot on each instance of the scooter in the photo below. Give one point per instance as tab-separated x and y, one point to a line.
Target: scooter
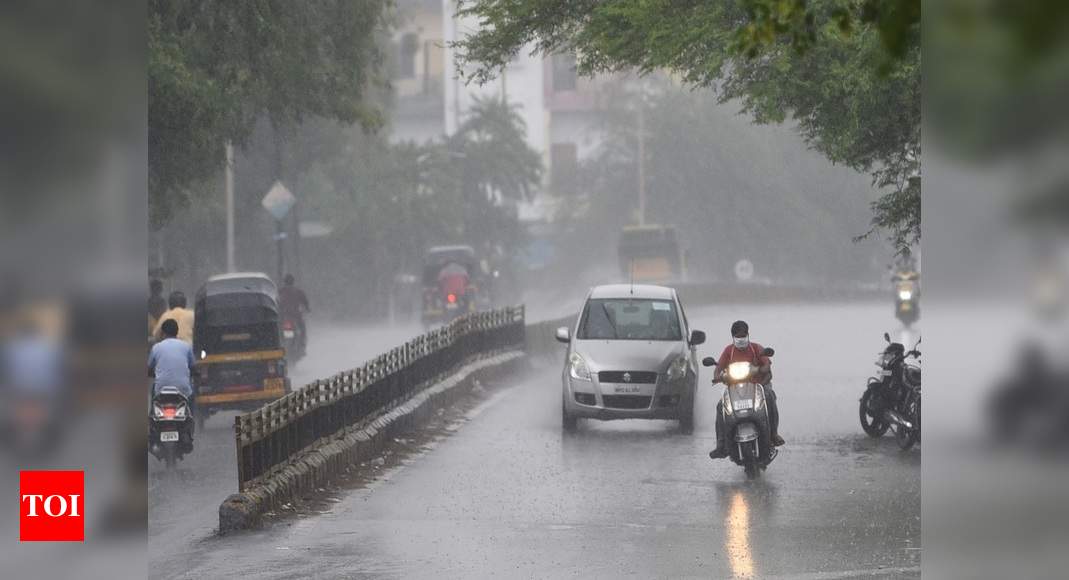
745	414
170	426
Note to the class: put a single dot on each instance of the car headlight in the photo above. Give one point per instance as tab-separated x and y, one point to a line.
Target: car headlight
739	370
905	294
678	368
727	404
577	368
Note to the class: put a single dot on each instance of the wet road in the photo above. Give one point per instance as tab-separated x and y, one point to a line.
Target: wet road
183	506
509	495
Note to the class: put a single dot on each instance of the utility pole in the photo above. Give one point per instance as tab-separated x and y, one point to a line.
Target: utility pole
280	234
229	207
641	164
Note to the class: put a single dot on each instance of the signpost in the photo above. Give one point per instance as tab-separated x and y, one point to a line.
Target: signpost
744	270
278	201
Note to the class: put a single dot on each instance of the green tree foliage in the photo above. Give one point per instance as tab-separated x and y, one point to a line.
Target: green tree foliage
215	68
846	71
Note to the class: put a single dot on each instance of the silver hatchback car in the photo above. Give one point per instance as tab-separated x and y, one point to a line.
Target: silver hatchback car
631	355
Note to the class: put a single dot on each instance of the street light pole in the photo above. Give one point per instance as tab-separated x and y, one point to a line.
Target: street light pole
641	164
280	234
229	207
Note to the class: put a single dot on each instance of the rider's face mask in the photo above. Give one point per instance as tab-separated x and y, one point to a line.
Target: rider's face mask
742	341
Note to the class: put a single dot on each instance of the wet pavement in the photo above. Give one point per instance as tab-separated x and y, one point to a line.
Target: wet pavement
184	504
507	494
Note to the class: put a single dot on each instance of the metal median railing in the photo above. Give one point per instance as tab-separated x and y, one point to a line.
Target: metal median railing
270	436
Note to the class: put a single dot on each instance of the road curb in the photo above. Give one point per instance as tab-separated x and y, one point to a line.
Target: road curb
315	468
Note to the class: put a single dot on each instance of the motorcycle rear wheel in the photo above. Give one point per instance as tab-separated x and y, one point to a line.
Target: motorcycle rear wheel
169	455
872	425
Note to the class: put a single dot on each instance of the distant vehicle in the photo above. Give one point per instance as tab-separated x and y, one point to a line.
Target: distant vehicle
237	340
631	355
746	421
907	297
450	283
650	254
292	342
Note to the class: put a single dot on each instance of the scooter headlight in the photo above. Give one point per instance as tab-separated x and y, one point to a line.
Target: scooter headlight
739	370
577	368
678	368
904	295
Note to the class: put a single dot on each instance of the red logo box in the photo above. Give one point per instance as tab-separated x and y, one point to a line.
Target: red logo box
51	506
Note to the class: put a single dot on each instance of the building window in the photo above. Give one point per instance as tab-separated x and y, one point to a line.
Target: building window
564	167
406	56
564	72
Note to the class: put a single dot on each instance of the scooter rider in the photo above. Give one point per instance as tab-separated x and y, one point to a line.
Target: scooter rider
293	303
742	349
170	363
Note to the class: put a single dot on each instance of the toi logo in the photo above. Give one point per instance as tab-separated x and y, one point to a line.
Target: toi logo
51	506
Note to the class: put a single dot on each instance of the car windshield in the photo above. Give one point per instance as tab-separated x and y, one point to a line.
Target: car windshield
630	319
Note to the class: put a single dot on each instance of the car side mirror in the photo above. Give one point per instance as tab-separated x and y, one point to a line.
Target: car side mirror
887	337
697	337
563	335
708	362
768	351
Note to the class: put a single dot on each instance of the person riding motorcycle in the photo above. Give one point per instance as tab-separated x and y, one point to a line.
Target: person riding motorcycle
178	312
292	304
170	363
453	279
743	349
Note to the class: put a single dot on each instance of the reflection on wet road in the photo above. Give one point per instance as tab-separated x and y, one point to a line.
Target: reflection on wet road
509	495
737	545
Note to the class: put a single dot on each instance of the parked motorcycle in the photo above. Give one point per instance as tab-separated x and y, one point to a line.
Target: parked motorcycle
893	400
746	421
170	426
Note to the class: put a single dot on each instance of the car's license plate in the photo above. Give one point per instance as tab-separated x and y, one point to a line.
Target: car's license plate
167	436
743	405
451	306
627	389
288	334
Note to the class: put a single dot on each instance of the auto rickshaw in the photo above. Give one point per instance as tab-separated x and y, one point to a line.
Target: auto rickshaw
237	342
451	277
